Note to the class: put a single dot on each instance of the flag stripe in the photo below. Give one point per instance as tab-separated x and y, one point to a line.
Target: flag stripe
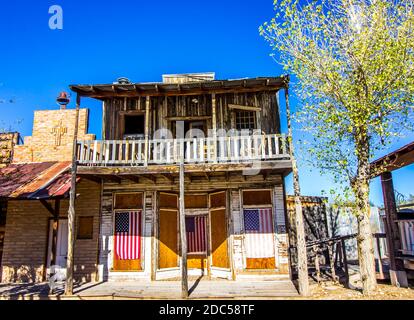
196	237
128	235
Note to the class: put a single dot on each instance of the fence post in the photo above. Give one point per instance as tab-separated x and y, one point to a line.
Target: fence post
332	260
345	262
381	272
317	268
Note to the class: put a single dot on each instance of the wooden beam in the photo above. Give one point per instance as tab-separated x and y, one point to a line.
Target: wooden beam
55	227
181	92
147	122
214	125
132	178
112	178
398	275
94	178
207	176
169	177
49	207
71	212
247	108
277	165
183	236
302	261
151	178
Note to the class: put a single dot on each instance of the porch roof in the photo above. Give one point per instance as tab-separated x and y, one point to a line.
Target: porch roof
102	91
35	181
397	159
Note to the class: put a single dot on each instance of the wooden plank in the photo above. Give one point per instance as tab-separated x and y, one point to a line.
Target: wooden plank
260	263
71	212
168	245
241	107
147	119
183	235
219	235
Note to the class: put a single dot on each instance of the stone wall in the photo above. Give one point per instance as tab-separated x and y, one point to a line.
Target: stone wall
52	136
26	237
8	141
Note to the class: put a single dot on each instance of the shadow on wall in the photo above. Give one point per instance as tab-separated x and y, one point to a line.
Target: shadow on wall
29	274
22	274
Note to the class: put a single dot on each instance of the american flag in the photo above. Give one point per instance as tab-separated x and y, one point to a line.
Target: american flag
258	233
128	235
196	234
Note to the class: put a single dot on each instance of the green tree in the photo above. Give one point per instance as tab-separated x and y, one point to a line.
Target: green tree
354	62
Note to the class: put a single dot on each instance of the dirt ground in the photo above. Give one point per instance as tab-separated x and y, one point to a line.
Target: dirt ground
332	291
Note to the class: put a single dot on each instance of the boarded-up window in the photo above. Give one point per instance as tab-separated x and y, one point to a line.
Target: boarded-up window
219	239
193	201
168	242
257	197
218	200
128	200
168	200
85	228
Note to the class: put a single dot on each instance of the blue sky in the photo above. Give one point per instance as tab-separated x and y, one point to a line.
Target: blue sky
102	40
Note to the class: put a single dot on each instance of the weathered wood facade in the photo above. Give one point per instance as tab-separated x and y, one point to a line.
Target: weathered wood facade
234	163
165	110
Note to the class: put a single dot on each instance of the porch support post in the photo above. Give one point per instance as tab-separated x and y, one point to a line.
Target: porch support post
214	125
147	121
71	212
184	280
398	275
300	229
55	231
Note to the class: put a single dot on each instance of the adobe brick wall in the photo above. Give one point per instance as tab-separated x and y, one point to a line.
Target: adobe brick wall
7	144
26	237
42	146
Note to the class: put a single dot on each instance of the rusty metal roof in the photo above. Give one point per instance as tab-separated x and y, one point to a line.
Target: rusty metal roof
43	180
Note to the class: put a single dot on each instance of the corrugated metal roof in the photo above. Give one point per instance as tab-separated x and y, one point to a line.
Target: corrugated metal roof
35	180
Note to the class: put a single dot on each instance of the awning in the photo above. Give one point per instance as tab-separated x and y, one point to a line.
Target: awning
35	181
103	91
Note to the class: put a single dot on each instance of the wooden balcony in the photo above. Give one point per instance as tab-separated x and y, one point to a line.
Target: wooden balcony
217	150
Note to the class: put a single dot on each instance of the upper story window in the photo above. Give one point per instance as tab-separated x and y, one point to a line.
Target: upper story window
134	126
245	120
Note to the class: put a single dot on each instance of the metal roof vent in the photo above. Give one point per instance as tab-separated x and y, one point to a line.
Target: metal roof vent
123	80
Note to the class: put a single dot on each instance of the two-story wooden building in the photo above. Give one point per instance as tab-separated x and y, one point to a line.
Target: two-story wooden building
227	134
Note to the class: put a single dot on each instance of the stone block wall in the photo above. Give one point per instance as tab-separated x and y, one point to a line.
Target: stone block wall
52	136
8	141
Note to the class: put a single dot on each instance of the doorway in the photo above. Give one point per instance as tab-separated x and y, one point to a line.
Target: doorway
134	126
189	128
60	262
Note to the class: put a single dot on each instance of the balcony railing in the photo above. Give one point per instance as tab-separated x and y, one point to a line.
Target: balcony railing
194	150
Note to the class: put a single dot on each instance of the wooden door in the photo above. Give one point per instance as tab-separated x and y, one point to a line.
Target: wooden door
168	231
128	231
62	247
218	230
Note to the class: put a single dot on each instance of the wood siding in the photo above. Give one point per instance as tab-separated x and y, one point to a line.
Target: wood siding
165	110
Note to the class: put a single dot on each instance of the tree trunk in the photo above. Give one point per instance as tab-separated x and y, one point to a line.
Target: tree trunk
364	238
